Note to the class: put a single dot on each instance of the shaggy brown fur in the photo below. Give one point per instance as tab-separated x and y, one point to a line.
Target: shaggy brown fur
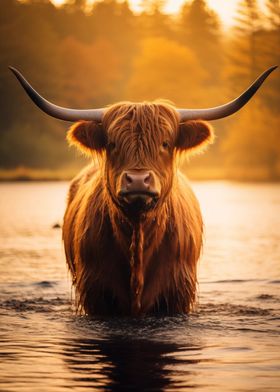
126	266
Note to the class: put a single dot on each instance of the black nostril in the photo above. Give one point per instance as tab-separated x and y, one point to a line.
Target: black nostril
147	179
128	178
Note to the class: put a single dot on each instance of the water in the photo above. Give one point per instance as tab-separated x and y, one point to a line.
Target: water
231	343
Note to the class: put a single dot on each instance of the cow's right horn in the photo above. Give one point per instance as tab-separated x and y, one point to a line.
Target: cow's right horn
54	110
227	109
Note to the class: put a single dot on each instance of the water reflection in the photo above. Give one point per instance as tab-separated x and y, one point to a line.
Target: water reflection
226	346
131	364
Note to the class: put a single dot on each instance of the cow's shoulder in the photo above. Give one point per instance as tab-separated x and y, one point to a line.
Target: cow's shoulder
186	213
89	173
183	188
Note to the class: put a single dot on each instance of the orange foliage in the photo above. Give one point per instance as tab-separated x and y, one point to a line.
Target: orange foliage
89	71
166	69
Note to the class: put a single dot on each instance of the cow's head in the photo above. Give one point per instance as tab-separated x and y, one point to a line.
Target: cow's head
140	142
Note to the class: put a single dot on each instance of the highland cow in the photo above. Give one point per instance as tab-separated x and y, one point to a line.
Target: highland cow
133	228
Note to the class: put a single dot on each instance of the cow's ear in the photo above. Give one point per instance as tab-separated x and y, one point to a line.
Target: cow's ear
194	135
88	136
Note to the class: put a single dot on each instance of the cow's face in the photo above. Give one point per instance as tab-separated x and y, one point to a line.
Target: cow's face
140	142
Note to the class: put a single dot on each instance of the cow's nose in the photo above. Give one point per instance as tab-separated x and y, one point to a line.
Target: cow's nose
138	187
136	181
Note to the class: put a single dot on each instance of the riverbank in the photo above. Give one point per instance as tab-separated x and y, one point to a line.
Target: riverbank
30	174
255	174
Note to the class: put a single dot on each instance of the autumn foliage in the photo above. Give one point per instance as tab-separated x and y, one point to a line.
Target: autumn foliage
88	57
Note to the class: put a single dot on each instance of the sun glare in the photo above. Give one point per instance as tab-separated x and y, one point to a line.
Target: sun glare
58	2
225	9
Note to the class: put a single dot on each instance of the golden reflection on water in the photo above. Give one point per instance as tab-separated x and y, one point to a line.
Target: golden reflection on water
242	223
229	344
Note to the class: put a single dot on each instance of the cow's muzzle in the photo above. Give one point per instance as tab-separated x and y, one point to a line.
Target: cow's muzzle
138	187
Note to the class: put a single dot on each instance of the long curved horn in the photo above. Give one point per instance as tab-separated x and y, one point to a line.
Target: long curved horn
54	110
227	109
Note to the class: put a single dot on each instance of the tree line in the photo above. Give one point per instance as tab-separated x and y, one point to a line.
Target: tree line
90	56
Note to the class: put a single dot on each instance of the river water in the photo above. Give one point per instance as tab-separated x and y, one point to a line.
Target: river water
231	343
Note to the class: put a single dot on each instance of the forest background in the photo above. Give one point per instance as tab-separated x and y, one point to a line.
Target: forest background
85	56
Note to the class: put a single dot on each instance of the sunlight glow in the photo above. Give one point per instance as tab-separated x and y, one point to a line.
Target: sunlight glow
225	9
58	2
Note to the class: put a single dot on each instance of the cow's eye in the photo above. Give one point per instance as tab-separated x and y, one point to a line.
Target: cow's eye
111	146
165	145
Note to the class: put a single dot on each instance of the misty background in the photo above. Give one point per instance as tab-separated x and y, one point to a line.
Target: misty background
85	56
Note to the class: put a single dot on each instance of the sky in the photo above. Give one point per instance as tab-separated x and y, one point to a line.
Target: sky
225	9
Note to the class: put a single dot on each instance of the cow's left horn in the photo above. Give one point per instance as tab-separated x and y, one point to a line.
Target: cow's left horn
227	109
54	110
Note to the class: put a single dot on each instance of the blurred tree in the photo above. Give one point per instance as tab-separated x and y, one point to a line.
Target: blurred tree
254	149
199	29
166	69
273	7
246	47
152	6
251	141
37	57
114	22
271	53
89	73
31	145
80	4
64	69
153	22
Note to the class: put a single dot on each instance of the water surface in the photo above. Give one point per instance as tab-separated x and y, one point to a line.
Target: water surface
231	343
